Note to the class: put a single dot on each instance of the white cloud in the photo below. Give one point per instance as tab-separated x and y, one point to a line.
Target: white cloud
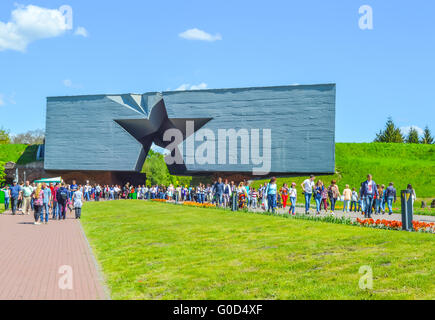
2	101
31	23
69	84
405	130
196	34
81	31
187	86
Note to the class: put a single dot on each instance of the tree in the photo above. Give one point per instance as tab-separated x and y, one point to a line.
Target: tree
427	137
412	136
30	137
391	134
157	171
5	138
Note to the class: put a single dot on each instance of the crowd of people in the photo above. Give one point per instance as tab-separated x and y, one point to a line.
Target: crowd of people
54	199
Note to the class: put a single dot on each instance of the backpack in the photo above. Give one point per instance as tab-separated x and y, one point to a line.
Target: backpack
63	194
330	192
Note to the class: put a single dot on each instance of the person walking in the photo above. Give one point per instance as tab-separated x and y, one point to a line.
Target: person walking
27	196
293	193
45	204
369	190
271	195
412	191
307	188
219	191
284	194
15	195
333	194
7	197
318	192
38	202
78	203
55	209
390	196
347	198
354	200
62	199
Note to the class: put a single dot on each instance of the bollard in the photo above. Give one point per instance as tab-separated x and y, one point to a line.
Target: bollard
234	204
407	210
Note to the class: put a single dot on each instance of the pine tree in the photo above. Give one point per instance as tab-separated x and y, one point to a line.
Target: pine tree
391	134
427	136
412	136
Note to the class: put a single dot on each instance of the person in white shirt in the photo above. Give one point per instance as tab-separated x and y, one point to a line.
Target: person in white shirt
293	194
307	187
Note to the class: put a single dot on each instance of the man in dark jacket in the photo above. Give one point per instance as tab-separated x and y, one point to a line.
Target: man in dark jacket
390	195
62	198
369	190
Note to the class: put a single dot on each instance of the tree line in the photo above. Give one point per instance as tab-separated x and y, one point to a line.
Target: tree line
393	134
30	137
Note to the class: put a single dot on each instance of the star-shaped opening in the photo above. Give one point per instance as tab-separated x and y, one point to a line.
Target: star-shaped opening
151	130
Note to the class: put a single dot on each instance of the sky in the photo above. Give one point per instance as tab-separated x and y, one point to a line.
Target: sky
137	46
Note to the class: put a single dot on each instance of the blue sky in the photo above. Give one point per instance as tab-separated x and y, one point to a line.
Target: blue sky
135	46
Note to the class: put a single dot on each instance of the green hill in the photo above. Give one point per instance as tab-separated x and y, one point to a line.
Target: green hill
18	153
398	163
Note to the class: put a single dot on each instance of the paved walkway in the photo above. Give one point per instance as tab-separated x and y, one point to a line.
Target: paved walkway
31	257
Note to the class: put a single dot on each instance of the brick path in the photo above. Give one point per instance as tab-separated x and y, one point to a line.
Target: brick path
31	255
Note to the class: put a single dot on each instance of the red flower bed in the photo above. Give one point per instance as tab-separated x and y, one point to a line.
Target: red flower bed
396	225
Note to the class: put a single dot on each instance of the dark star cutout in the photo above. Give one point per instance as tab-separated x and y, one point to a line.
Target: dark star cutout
150	130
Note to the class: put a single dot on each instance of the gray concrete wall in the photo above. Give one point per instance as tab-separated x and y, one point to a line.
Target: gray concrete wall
81	133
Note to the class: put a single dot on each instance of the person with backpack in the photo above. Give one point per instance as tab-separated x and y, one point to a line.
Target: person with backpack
62	199
333	194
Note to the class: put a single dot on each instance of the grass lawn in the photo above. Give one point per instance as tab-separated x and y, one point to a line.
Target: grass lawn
162	251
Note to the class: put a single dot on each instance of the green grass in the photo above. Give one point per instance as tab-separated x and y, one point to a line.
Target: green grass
161	251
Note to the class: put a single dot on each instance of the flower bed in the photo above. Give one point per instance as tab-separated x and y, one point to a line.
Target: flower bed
198	205
418	226
159	200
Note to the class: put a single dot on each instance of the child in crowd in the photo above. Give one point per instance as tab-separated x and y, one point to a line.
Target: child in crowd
354	200
293	193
